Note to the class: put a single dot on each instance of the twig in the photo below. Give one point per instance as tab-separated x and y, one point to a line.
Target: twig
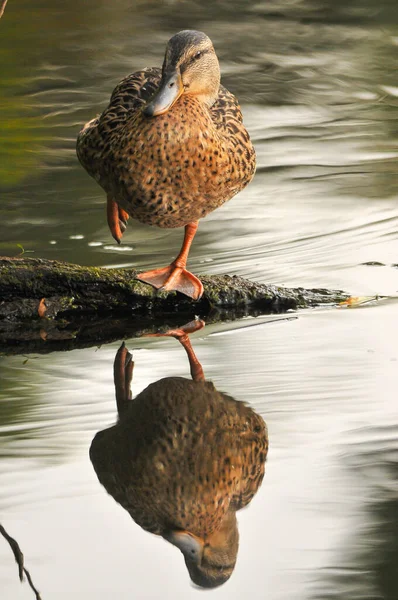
19	559
2	7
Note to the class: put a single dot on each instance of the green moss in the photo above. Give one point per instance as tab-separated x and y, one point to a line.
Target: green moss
92	289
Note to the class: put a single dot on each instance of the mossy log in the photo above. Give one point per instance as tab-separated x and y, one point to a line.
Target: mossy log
74	306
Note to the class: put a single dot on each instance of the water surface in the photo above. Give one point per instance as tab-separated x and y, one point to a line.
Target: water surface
317	85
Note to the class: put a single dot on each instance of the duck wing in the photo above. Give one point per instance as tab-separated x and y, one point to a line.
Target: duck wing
95	140
226	109
228	120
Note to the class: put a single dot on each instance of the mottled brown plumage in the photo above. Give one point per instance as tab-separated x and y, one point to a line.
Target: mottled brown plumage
171	146
182	459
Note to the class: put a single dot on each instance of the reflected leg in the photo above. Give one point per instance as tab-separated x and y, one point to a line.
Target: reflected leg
122	377
182	335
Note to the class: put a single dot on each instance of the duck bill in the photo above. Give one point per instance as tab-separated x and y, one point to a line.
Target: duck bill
189	544
170	90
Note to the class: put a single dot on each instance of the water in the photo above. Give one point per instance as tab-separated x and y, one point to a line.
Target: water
317	85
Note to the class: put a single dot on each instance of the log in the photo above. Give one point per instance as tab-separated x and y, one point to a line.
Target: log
76	306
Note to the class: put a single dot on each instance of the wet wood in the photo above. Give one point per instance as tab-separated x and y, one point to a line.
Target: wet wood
70	305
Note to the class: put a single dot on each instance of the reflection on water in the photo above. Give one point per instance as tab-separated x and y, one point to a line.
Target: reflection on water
182	459
325	383
373	545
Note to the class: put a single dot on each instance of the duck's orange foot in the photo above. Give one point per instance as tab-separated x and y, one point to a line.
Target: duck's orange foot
180	332
117	219
182	335
123	218
186	329
174	278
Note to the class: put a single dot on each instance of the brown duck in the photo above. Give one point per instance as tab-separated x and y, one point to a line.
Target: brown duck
169	149
182	459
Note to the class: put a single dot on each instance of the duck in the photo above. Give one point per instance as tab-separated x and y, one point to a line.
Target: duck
182	459
170	148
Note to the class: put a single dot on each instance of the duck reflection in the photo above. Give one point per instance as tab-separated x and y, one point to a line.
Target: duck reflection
182	459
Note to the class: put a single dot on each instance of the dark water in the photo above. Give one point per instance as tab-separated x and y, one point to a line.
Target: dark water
318	88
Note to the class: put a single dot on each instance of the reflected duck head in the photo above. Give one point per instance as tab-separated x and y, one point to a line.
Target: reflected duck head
210	560
190	67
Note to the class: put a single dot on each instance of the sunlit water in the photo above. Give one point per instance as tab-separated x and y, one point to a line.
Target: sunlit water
317	85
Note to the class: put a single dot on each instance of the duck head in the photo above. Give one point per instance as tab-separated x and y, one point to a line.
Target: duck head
191	67
210	561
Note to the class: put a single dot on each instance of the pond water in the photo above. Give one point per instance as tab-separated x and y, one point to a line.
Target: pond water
317	84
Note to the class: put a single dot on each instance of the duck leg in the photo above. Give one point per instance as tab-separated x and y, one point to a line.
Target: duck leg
117	218
122	377
175	276
182	335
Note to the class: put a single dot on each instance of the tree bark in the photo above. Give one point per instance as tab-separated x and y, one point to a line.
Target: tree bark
79	306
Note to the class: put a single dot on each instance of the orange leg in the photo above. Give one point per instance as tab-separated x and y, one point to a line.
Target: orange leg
117	219
175	276
122	376
182	335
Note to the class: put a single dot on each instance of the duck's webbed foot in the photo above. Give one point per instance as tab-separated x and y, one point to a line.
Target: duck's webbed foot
117	219
183	331
176	276
182	335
